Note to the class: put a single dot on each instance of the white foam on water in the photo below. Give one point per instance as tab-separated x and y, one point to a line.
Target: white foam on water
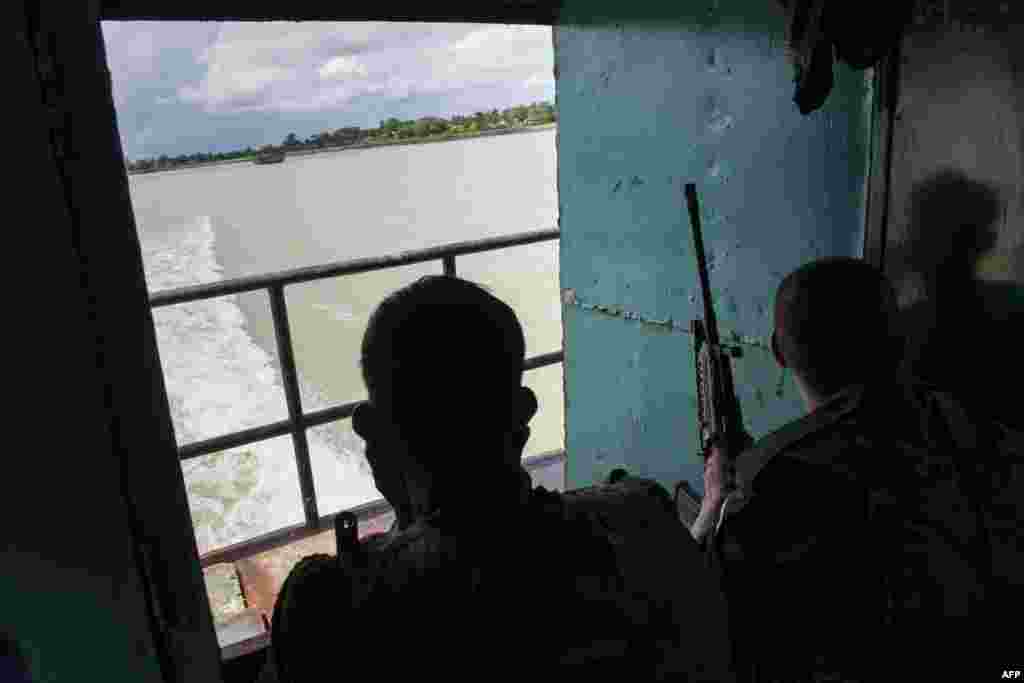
220	381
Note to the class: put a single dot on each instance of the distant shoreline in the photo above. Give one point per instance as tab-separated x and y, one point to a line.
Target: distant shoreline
361	145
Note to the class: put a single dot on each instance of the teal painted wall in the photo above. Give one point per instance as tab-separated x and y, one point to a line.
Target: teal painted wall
648	102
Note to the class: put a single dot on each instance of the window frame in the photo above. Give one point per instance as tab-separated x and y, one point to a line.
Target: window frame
300	421
86	146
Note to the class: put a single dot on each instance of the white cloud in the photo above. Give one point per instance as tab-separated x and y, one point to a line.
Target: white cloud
136	51
284	66
341	67
167	75
494	52
229	84
539	80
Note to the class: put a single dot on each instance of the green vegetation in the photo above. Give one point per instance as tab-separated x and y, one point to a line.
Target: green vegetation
390	131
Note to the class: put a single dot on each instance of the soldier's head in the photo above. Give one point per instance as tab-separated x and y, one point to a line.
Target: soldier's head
443	362
835	325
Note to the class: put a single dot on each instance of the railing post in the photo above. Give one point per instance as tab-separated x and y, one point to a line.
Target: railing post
290	376
449	265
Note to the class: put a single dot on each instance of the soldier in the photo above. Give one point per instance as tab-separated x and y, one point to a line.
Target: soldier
485	576
887	516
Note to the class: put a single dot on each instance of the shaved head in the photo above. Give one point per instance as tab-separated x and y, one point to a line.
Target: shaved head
444	346
835	323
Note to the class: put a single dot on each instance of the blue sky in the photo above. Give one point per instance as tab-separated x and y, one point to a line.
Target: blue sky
184	87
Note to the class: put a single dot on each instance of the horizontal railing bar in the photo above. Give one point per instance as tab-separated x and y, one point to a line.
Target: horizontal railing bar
298	532
288	534
248	436
313	419
234	440
533	462
289	277
544	359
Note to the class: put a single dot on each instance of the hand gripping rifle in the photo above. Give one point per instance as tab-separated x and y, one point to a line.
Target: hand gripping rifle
719	420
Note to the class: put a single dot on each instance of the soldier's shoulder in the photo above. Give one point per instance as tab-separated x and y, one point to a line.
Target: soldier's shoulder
819	438
309	573
621	505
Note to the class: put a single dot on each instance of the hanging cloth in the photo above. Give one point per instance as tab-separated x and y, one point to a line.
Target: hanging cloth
820	31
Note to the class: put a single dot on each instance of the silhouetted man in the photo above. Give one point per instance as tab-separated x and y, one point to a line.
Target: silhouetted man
883	518
485	577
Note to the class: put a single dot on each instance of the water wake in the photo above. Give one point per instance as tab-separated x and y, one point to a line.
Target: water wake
219	381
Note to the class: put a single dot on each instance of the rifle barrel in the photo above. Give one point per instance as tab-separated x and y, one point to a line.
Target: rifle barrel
710	323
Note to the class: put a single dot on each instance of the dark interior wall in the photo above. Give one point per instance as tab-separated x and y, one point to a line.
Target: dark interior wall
101	578
955	247
70	589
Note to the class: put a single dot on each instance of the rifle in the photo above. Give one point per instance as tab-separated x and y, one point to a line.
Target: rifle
719	419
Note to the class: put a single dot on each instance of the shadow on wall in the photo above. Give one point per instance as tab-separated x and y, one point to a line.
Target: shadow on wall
960	329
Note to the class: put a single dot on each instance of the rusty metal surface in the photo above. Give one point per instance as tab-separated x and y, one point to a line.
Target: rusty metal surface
245	647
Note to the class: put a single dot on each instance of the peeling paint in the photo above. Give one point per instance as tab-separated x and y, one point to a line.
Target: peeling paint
729	338
720	122
719	170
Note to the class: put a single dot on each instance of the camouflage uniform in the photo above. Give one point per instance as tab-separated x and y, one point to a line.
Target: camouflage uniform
886	518
601	582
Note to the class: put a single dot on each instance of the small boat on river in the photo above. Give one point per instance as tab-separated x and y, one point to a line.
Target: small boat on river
270	156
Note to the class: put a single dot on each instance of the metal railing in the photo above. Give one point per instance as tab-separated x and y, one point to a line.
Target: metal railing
298	421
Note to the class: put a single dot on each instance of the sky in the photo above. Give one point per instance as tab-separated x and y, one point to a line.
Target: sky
186	87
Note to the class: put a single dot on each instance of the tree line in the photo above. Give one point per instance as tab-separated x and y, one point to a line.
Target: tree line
390	130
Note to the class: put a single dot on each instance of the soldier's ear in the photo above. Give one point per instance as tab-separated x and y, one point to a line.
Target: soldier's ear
527	404
776	352
362	420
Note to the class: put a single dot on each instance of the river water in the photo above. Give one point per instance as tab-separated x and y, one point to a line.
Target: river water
220	364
